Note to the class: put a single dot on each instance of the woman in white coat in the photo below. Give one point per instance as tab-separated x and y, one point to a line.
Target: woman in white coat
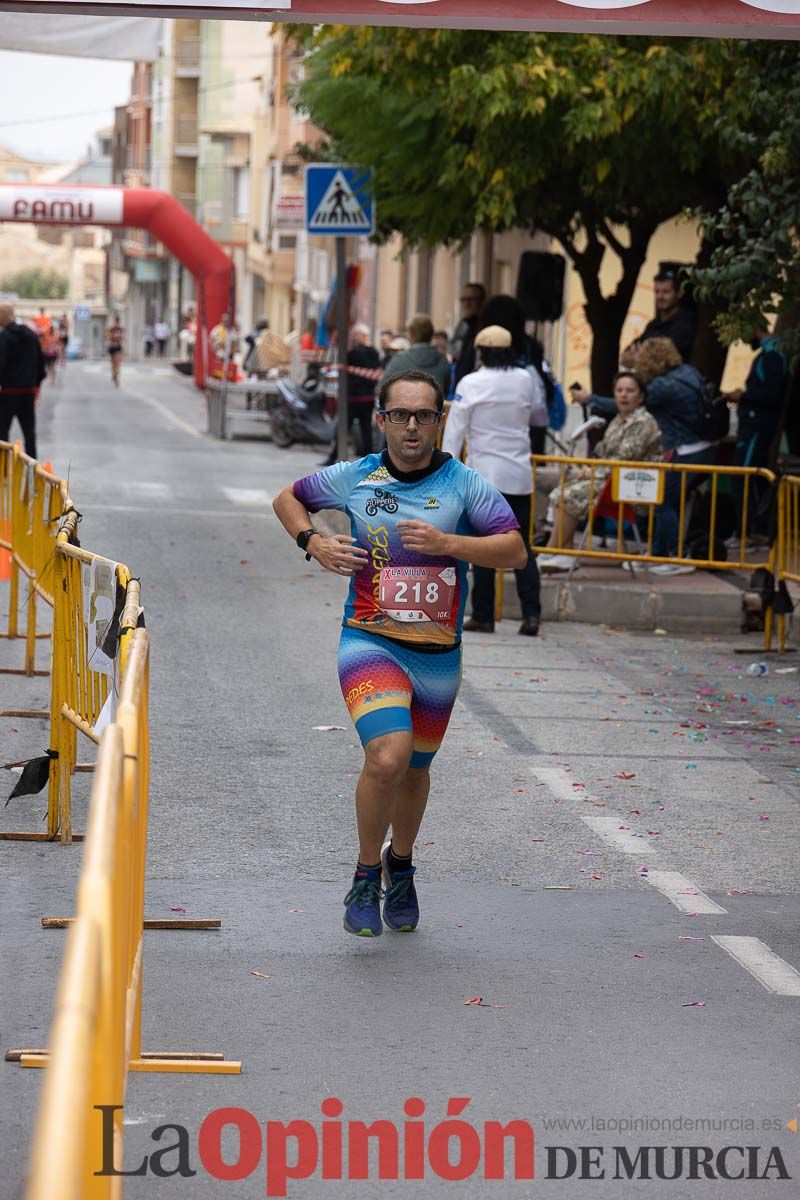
494	409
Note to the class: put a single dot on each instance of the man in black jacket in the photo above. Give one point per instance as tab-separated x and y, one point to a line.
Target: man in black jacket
671	320
22	369
463	347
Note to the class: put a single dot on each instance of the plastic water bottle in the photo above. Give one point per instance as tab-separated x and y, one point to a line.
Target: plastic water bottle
760	668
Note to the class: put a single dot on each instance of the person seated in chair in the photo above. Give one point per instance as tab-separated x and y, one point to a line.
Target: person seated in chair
632	435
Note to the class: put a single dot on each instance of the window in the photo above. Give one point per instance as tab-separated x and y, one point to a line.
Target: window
241	193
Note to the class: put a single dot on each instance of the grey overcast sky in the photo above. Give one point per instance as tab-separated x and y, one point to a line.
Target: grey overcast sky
41	92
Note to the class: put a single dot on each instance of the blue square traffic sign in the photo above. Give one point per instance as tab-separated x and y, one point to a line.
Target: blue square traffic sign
339	200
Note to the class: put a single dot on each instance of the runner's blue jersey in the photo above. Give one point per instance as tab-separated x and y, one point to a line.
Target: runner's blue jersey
415	598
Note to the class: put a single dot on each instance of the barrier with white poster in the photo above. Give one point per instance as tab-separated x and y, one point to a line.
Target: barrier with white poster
637	485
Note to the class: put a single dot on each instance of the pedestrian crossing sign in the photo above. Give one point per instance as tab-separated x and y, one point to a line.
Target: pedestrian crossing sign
339	200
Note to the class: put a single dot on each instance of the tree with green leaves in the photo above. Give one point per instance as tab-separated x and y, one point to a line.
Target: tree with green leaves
35	283
754	236
595	140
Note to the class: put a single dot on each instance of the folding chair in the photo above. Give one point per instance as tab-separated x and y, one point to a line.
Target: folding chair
604	506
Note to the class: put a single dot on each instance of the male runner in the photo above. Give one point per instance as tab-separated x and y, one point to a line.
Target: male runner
417	517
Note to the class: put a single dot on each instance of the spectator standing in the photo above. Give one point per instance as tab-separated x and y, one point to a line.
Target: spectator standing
507	312
364	366
148	341
672	320
248	363
162	331
224	341
760	408
473	298
420	355
22	369
493	410
188	335
308	338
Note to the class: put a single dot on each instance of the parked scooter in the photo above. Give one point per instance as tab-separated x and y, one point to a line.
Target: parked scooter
298	411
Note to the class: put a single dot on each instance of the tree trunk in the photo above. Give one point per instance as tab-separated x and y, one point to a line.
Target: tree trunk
606	314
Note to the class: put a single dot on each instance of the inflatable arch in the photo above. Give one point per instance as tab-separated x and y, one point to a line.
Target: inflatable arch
140	208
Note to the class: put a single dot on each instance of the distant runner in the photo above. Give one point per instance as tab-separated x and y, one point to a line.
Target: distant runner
115	341
417	518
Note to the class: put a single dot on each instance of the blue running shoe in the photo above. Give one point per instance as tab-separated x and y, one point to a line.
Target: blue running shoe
362	916
400	907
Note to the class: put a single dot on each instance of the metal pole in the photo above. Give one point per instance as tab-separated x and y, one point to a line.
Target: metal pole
341	347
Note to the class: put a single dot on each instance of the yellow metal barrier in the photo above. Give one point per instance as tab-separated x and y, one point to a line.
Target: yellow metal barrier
641	485
85	591
31	503
640	475
83	676
787	568
96	1033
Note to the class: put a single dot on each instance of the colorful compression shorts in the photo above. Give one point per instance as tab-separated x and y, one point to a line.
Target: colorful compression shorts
388	687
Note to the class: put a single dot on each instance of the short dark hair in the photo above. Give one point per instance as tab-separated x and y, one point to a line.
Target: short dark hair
410	377
420	328
668	275
477	287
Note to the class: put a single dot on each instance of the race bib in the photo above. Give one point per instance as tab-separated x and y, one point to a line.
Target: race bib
417	593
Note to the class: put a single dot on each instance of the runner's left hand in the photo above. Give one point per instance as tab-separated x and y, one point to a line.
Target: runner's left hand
422	537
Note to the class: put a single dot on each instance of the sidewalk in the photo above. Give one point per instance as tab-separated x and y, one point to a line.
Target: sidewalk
703	602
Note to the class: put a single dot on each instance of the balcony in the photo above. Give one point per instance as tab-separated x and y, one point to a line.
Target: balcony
187	58
186	135
137	158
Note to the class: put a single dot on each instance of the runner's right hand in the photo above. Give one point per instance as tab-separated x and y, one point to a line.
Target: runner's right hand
339	554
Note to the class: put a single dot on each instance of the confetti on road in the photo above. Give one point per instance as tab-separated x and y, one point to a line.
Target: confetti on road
477	1002
694	1004
329	728
259	975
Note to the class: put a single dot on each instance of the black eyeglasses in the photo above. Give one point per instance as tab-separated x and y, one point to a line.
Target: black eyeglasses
401	416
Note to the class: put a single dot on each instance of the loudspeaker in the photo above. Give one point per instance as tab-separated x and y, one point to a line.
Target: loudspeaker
540	285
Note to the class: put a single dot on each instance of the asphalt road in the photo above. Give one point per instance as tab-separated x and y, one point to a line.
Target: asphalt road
572	762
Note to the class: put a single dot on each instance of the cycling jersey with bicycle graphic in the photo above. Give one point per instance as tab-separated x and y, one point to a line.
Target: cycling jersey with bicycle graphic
414	598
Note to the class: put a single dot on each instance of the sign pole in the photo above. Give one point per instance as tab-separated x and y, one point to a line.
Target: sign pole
341	348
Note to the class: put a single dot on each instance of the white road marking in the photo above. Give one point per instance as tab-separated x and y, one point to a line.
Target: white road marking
148	489
166	413
250	497
772	972
684	894
607	826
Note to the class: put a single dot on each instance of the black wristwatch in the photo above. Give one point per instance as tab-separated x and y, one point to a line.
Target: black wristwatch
303	539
